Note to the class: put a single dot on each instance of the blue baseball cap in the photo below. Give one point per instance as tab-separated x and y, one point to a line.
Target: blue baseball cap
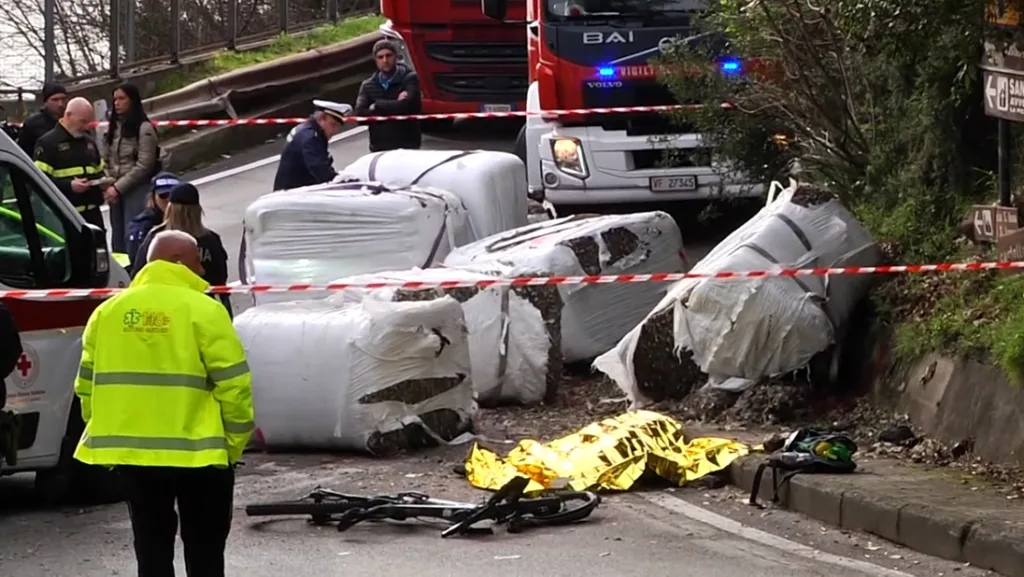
164	182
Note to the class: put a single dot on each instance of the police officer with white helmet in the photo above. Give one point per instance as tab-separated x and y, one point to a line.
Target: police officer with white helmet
305	160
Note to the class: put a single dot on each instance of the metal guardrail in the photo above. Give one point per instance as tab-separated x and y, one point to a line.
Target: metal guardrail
237	92
22	99
168	37
74	41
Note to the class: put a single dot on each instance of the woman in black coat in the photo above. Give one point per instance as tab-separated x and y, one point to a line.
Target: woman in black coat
185	214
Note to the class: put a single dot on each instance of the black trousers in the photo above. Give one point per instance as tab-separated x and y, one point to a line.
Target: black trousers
205	499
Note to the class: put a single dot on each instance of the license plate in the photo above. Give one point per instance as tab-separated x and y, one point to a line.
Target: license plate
497	108
673	184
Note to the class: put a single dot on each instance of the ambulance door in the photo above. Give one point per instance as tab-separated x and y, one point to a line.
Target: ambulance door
44	244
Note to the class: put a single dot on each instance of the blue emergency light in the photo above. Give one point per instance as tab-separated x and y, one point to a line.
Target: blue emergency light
606	72
730	66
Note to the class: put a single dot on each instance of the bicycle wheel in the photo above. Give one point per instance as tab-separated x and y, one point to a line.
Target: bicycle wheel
575	506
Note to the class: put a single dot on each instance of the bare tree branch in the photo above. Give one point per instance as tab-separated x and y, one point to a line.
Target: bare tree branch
82	40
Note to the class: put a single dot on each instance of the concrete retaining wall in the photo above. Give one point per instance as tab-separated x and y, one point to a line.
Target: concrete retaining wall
953	400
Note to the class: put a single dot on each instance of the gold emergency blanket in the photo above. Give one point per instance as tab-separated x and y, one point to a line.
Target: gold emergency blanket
610	454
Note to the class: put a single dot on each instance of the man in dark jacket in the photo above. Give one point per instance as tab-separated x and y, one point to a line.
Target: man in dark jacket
393	90
54	98
70	157
305	160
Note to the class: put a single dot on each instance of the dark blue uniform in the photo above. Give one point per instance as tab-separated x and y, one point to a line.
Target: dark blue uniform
139	229
305	160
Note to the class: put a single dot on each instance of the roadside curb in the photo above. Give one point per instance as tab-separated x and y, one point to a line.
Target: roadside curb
978	537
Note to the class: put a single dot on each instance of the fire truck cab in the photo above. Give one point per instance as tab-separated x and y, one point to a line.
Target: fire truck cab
586	54
465	61
46	244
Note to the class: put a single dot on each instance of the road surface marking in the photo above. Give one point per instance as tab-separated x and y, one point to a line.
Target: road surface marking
677	505
268	160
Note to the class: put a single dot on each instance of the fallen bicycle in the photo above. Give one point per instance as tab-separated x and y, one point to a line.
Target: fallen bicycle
507	506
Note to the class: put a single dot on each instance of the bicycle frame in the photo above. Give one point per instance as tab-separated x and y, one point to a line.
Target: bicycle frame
506	506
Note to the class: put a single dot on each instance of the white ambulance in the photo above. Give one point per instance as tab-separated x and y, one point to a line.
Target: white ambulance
45	244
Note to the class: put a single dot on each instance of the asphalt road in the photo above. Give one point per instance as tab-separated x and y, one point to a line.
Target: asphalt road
659	533
690	531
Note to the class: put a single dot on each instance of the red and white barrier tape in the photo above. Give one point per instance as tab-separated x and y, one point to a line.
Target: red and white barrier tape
446	116
548	281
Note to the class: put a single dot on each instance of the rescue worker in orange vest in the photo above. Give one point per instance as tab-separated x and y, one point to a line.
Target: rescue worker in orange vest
167	400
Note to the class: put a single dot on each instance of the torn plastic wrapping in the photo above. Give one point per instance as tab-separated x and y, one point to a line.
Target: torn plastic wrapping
514	356
757	328
319	233
376	376
491	184
594	316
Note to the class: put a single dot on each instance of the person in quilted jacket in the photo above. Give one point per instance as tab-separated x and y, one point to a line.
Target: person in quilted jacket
131	156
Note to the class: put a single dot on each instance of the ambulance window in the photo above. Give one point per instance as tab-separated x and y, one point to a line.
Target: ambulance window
20	267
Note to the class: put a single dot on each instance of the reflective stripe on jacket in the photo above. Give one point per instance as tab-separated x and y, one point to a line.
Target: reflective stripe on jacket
64	157
163	379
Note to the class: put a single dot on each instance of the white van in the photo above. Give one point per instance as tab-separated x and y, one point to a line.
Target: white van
45	244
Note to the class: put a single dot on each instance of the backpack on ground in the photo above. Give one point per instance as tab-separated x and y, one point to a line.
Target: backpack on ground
806	451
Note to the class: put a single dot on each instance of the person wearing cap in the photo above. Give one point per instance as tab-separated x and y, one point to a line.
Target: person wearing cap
55	98
153	214
394	90
184	213
305	160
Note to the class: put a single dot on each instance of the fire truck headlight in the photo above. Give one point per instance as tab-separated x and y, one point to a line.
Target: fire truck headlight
568	156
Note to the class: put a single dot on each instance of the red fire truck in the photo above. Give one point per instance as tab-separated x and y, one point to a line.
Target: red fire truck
466	62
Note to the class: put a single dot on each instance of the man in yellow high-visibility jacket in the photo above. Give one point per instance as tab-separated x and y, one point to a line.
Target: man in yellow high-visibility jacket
167	401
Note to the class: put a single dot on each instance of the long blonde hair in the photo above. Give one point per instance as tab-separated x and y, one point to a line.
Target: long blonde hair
186	218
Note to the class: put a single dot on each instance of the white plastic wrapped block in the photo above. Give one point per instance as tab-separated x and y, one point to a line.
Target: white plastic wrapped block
594	317
514	350
491	184
375	375
319	233
750	328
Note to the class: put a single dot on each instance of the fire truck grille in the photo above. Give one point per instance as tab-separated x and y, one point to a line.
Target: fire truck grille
477	53
496	87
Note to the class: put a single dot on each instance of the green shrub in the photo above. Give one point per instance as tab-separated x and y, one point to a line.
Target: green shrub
881	101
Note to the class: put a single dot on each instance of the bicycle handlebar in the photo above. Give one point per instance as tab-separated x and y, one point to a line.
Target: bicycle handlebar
511	492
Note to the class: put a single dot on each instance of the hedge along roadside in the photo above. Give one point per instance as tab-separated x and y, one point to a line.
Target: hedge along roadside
151	80
282	46
894	124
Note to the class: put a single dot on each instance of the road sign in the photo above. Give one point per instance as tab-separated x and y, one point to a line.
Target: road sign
1002	13
993	222
1004	96
1011	247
